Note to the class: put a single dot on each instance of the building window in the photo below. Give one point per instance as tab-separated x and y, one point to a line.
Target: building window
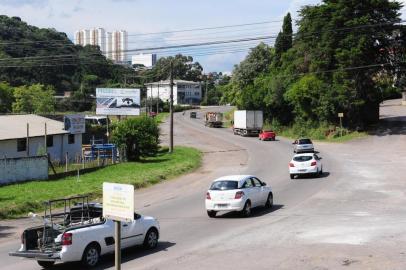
197	93
21	145
71	138
50	141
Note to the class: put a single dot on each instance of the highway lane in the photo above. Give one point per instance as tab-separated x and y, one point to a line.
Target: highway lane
179	204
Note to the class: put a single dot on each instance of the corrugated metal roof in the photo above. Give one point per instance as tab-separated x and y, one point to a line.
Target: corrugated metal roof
15	126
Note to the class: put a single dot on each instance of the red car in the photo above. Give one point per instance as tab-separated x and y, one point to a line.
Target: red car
267	135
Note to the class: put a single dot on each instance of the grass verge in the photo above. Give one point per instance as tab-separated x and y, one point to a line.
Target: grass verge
321	134
161	117
228	118
19	199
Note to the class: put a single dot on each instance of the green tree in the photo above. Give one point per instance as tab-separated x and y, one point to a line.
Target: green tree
345	36
139	136
33	62
183	68
36	98
284	39
6	97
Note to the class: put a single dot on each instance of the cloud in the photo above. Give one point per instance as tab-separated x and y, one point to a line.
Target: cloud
20	3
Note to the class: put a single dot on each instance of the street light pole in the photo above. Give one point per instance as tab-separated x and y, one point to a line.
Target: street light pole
157	100
171	109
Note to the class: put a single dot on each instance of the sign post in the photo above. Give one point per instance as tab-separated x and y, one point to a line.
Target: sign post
341	115
118	205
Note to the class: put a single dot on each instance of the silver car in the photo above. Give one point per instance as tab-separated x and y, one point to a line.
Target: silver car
303	145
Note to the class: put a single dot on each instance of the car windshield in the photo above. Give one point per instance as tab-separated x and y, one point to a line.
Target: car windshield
302	158
224	185
305	141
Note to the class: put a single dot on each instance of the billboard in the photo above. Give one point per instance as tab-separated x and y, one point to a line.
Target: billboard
118	101
75	123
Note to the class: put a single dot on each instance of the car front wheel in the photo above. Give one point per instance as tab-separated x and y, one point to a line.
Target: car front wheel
151	239
269	201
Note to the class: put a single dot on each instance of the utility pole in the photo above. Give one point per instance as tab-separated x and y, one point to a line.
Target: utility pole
157	100
152	100
205	93
171	108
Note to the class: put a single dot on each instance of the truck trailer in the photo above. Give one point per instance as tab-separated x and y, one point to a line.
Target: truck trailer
247	123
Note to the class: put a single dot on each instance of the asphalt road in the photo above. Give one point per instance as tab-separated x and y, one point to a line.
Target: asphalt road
352	217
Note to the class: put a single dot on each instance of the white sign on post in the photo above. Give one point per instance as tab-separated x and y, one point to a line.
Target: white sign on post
118	202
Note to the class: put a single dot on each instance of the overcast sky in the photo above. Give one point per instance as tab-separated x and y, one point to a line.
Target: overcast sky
148	16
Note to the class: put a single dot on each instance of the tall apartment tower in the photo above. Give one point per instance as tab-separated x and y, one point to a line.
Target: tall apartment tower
119	45
112	45
109	45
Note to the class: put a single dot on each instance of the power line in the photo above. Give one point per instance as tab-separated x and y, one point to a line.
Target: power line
176	47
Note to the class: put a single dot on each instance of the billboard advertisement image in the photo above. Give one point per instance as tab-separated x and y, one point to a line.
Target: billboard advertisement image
118	101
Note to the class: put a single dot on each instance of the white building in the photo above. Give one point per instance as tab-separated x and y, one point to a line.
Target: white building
113	45
14	142
184	92
148	60
109	45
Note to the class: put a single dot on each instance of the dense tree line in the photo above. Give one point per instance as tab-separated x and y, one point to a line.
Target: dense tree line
30	55
346	56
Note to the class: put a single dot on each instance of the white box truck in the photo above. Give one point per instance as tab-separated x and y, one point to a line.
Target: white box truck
248	123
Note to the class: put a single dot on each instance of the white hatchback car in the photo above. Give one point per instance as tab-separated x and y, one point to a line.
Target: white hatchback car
306	163
237	193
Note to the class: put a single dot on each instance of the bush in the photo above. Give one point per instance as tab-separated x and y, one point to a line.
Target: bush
138	136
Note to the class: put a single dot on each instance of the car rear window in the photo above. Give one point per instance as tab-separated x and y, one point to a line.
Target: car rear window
305	141
302	158
224	185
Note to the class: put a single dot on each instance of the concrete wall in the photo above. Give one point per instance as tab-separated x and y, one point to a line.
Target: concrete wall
8	148
23	169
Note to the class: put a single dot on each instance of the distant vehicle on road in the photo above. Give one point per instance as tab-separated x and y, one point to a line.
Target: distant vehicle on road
267	135
193	114
82	234
305	163
152	114
237	193
303	145
96	120
213	119
247	123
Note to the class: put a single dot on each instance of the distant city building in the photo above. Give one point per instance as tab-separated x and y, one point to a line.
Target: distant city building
113	45
184	92
147	60
120	46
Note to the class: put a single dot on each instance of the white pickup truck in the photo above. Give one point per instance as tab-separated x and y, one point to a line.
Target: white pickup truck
83	235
